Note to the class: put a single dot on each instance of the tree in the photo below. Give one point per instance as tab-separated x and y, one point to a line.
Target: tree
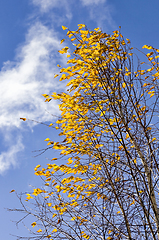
106	185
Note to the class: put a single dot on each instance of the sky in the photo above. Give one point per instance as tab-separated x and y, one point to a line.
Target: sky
30	35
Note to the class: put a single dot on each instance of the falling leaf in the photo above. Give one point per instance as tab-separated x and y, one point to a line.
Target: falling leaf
24	119
12	191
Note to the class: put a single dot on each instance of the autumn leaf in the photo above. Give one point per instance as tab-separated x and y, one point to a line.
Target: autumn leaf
33	224
47	139
64	28
12	191
24	119
63	38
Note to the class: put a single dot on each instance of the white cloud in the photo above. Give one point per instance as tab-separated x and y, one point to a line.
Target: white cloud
22	82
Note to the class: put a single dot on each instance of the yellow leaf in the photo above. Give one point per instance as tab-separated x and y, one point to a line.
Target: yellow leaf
124	85
35	169
127	136
45	95
39	231
48	99
150	58
81	25
54	230
56	75
147	47
49	236
28	196
150	69
120	147
47	139
132	202
62	40
149	54
33	224
64	28
49	204
153	139
70	161
50	143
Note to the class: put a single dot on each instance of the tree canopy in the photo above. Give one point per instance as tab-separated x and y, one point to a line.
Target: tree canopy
105	183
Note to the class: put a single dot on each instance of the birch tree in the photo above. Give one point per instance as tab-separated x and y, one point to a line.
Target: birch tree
104	185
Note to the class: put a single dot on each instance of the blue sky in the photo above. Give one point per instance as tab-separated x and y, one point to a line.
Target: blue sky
30	34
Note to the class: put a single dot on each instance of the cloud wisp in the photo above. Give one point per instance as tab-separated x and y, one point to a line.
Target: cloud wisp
92	2
46	6
9	158
100	12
